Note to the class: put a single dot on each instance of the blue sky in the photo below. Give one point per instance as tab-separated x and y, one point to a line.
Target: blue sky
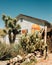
36	8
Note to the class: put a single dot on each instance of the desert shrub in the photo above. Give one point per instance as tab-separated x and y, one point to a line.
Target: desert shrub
7	52
16	49
4	51
31	42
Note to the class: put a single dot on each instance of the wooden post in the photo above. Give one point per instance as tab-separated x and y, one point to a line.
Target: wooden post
45	34
45	43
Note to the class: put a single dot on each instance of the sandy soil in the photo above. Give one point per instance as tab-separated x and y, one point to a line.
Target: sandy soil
3	62
48	61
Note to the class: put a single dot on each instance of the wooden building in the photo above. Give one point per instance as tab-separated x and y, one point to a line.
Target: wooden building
30	23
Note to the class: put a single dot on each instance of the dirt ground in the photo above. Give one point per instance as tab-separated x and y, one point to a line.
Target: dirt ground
3	62
48	61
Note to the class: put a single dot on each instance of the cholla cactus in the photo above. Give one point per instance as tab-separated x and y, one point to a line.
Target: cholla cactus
32	42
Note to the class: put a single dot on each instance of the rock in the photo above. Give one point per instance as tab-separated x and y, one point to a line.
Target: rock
17	63
29	55
25	62
11	60
38	54
19	57
11	63
15	59
20	60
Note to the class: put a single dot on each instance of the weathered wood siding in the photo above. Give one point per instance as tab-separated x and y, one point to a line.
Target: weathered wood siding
25	24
